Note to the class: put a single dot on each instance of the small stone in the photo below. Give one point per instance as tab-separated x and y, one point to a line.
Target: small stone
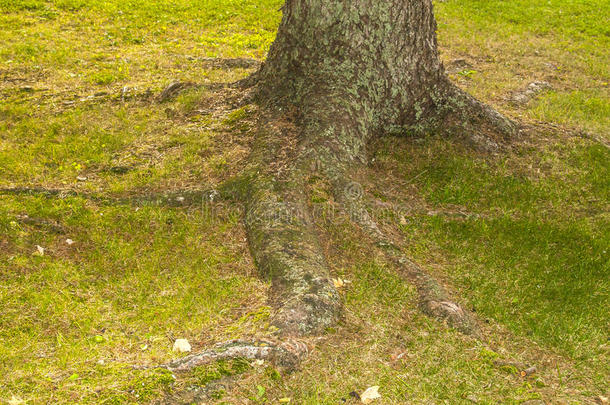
182	346
69	242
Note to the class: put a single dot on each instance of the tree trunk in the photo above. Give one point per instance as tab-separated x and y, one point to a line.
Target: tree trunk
339	73
374	63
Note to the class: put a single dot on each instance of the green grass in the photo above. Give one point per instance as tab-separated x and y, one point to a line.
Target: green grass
134	278
513	43
529	251
588	109
533	253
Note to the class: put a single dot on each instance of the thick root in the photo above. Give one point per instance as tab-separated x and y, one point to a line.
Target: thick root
485	127
286	354
283	242
434	300
286	249
450	111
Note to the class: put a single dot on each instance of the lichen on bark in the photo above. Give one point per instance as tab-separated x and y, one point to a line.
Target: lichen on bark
338	74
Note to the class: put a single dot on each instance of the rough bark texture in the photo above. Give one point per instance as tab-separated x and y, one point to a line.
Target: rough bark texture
285	354
338	74
373	66
372	62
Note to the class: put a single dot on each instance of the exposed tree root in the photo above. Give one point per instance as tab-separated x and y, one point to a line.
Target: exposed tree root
230	63
434	300
451	111
175	88
286	354
177	198
481	117
281	237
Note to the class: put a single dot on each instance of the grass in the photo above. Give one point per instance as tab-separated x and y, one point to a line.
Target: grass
119	294
512	43
520	236
531	249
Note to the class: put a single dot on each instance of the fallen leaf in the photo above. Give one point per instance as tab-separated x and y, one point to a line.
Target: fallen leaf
397	355
182	346
472	399
370	394
15	401
340	283
39	251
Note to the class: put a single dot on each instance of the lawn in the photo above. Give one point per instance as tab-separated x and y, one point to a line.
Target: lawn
113	244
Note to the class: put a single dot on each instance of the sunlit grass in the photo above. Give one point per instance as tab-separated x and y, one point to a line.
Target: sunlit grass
530	256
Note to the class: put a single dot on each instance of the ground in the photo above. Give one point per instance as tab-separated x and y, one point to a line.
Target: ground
520	235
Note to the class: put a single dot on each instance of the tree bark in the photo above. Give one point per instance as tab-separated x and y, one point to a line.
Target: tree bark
338	74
